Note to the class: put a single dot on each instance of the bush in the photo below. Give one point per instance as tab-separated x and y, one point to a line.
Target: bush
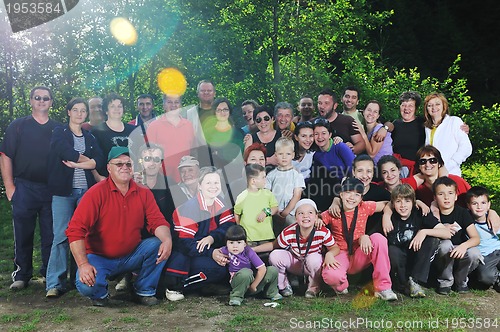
486	175
484	134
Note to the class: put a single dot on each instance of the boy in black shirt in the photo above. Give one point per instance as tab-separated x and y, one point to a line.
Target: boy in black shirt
458	256
413	241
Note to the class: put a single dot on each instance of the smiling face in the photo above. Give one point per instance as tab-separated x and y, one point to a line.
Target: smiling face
322	137
403	206
115	110
171	103
306	107
151	161
41	100
189	174
256	157
263	125
77	114
371	113
120	175
363	170
306	216
305	138
247	111
445	197
407	110
210	186
222	112
145	107
390	174
236	247
429	168
206	93
350	199
479	206
350	100
435	109
284	118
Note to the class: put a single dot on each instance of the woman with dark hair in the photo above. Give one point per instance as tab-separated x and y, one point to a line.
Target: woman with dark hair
304	139
224	140
74	153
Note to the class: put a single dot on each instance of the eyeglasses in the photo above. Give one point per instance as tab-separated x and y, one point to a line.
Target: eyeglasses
120	165
321	122
155	159
38	98
223	110
424	161
265	118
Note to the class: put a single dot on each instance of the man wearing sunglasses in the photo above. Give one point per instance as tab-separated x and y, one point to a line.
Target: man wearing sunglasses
23	163
105	234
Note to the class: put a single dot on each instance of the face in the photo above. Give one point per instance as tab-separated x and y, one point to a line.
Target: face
364	171
171	103
479	206
123	174
145	107
306	107
41	101
151	161
350	199
284	118
407	110
210	186
236	247
326	106
305	138
256	157
322	137
350	100
222	112
390	173
247	111
263	125
206	93
115	110
445	197
429	168
403	207
260	180
371	113
306	216
285	155
189	174
95	106
78	113
435	108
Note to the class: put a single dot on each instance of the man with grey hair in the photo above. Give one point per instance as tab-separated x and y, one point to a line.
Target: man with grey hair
197	114
283	114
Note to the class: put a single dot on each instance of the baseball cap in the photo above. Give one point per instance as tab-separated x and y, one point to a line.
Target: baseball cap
352	184
305	201
117	151
188	161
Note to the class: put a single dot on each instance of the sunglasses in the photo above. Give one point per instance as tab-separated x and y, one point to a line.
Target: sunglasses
38	98
120	165
265	118
321	122
149	158
424	161
304	124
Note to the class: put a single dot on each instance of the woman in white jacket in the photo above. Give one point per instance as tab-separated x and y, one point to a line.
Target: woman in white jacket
443	131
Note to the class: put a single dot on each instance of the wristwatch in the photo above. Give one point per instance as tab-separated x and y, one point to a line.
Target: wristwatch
386	127
267	211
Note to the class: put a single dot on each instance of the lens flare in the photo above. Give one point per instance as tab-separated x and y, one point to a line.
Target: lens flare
123	31
172	82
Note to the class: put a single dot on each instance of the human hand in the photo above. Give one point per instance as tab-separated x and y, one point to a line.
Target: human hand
207	241
261	216
87	274
219	257
337	140
286	133
247	138
9	191
164	251
70	164
417	241
380	135
138	177
366	244
458	252
334	208
331	262
252	289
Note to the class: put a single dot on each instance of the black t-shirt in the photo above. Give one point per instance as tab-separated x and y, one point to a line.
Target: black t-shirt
408	137
27	143
405	230
377	194
463	218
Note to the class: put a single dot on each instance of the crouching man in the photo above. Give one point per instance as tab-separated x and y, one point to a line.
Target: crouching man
105	234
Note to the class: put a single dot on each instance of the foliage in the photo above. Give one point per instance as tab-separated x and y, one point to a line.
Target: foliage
486	175
485	133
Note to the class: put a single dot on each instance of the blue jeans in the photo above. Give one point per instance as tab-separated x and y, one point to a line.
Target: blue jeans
62	211
142	259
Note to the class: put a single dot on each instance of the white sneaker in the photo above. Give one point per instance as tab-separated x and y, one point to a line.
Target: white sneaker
122	284
18	284
386	295
172	295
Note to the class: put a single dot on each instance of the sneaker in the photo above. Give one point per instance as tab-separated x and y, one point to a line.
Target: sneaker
18	285
123	284
342	292
386	295
146	300
444	290
173	296
101	302
235	302
287	291
496	285
462	289
294	280
276	297
53	293
310	294
415	289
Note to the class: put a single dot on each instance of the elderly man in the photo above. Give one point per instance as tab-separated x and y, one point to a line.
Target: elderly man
23	162
199	113
189	170
283	114
105	234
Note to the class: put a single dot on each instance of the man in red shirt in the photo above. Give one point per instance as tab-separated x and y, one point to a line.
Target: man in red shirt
105	234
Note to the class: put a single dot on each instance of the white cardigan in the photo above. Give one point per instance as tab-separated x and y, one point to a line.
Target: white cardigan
452	142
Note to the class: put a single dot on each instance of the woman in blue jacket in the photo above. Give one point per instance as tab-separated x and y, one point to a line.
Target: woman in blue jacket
74	153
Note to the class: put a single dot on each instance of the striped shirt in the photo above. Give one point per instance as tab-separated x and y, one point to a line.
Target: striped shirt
79	179
288	240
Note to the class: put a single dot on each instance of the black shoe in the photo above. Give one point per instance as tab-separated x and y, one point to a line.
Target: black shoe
146	300
101	302
461	289
444	290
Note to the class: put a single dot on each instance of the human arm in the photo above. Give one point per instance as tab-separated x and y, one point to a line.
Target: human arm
262	215
493	220
266	247
379	136
335	207
380	205
330	260
237	218
387	225
259	276
7	175
462	141
220	257
438	231
459	251
247	140
422	207
365	243
358	144
372	146
86	272
297	193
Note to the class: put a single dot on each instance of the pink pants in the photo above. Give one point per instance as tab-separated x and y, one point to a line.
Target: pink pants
285	261
379	257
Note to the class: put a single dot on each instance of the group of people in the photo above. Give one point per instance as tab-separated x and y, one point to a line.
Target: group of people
186	201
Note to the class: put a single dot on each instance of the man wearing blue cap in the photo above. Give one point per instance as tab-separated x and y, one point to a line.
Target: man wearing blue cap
105	234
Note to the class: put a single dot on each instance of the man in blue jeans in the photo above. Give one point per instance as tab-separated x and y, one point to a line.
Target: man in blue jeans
105	234
23	162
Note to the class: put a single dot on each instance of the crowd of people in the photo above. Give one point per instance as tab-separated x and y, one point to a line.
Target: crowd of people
183	201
